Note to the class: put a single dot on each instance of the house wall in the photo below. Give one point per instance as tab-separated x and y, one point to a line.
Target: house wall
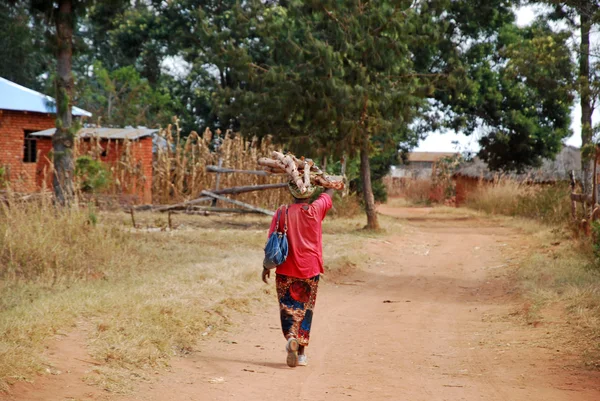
23	177
414	170
136	178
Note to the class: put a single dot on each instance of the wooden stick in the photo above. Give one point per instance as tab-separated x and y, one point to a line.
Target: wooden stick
190	202
274	164
306	174
573	202
204	210
132	217
325	182
582	198
249	188
594	189
226	191
238	203
291	168
217	169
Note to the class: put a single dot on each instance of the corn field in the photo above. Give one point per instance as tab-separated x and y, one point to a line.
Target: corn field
178	170
180	167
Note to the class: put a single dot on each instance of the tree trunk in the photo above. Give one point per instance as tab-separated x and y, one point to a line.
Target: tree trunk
365	175
587	156
62	141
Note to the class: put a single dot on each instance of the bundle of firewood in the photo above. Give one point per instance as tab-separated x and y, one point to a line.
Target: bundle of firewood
302	171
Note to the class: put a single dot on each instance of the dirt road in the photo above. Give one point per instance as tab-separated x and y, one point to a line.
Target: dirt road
430	319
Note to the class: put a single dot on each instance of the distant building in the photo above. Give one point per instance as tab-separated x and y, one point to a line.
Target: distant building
27	123
419	165
471	175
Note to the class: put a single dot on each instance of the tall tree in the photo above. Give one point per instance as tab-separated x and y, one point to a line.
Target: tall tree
580	16
336	73
511	86
64	137
58	18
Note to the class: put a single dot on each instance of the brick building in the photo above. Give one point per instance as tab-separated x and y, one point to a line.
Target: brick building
130	146
27	123
22	112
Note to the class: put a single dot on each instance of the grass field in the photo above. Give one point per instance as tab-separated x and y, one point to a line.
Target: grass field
145	294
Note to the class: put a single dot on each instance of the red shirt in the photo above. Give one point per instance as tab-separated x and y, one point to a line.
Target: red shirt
305	242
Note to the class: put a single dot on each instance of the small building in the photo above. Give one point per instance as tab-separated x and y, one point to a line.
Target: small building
22	112
127	150
419	165
27	123
473	174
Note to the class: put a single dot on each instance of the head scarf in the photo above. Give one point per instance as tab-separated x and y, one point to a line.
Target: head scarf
296	193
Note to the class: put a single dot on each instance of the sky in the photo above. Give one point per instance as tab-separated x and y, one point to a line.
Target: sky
436	142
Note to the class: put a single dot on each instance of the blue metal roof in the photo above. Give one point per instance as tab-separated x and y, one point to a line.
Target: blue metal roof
20	98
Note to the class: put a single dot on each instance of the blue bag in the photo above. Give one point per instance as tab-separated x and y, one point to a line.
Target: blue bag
276	250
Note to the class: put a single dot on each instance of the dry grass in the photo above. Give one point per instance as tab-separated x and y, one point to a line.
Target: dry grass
150	294
548	204
561	274
416	191
40	243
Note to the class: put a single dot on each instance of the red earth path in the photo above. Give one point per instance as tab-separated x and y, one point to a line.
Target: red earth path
433	316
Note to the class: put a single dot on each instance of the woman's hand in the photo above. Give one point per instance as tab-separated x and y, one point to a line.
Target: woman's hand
266	273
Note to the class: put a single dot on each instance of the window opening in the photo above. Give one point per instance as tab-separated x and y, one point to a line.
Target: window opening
29	148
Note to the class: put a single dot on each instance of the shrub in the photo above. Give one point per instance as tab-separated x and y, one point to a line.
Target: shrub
93	175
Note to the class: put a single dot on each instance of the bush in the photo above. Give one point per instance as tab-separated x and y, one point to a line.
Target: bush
93	175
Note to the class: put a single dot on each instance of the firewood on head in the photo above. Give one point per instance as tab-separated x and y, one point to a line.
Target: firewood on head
292	170
326	183
303	172
306	173
274	164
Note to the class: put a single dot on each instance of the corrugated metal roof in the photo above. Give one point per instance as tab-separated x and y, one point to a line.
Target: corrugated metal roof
16	97
428	156
105	133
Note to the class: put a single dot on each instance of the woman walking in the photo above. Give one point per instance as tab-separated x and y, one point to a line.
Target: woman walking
297	278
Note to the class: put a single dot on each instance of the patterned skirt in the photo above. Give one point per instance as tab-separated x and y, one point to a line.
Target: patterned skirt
297	298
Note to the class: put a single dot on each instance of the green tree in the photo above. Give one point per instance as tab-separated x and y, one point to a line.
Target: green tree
511	86
22	45
58	21
517	92
122	97
336	74
580	16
